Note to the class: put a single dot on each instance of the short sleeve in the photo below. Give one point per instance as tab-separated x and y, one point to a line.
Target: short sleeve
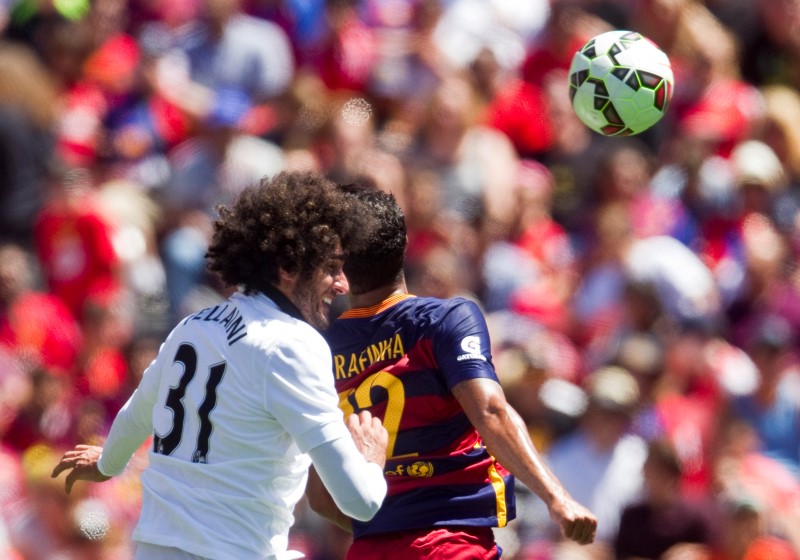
462	344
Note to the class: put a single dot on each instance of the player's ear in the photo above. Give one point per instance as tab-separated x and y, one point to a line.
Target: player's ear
287	280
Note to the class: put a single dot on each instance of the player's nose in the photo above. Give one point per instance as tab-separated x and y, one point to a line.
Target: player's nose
340	284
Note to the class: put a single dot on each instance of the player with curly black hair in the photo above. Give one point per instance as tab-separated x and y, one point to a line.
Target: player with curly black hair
239	401
293	226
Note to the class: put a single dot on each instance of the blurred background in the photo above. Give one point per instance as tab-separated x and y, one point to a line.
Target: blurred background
643	293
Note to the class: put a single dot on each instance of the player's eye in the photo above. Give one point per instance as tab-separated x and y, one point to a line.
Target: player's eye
334	268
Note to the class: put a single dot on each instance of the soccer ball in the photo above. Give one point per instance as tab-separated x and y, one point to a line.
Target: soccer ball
620	83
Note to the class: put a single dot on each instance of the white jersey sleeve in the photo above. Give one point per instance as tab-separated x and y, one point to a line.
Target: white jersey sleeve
302	396
357	486
306	403
133	424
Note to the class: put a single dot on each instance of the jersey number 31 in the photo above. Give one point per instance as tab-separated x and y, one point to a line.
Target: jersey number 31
166	444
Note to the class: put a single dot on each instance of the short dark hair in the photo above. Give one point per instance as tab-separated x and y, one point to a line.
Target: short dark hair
380	260
292	221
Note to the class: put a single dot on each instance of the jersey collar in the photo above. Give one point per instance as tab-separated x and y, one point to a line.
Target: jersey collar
375	309
283	303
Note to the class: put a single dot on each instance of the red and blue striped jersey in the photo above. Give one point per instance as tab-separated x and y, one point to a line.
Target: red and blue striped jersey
399	360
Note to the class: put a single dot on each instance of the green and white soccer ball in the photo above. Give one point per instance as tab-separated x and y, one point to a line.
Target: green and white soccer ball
620	83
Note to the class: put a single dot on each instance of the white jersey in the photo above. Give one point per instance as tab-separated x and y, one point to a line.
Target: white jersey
237	396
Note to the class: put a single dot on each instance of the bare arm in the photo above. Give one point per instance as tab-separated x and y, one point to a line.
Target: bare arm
507	439
321	501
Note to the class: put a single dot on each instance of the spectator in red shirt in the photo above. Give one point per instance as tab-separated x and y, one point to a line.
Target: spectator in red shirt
513	106
566	31
345	59
36	327
73	243
108	326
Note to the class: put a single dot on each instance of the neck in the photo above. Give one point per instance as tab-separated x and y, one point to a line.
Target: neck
280	295
374	297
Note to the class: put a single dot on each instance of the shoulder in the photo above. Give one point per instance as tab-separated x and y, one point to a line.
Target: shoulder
289	332
432	312
289	351
447	305
255	321
458	309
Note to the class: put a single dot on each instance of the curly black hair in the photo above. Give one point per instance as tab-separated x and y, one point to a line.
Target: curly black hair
293	221
379	260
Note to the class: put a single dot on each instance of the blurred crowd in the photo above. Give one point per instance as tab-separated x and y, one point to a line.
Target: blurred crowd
642	293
